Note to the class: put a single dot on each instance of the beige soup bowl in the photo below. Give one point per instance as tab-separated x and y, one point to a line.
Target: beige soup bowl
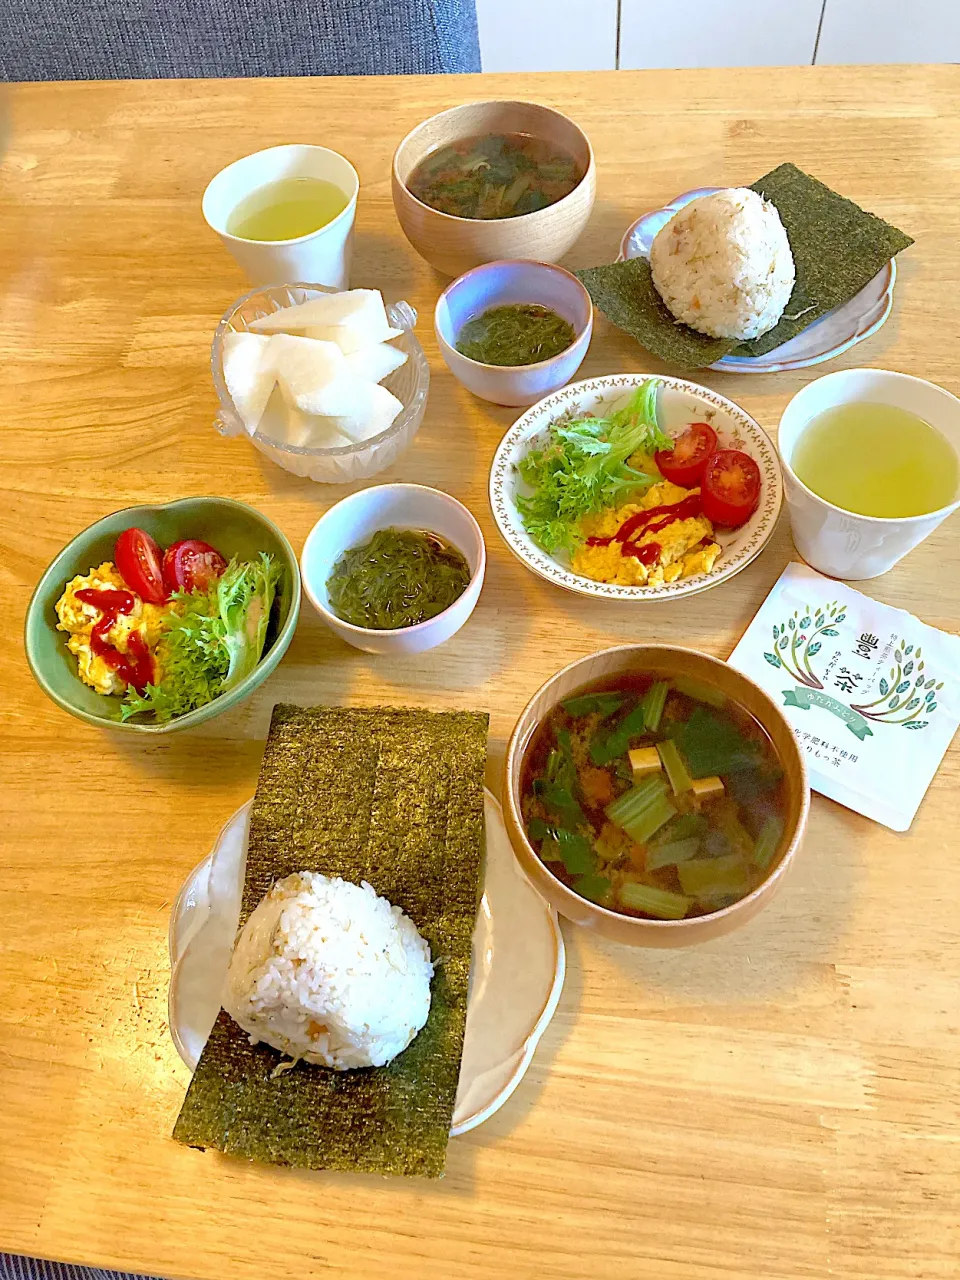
454	245
666	660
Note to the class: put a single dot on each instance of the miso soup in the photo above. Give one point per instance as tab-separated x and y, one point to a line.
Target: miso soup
496	175
654	795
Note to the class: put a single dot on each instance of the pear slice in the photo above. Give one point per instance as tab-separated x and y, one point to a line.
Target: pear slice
351	338
359	309
248	374
377	362
313	375
378	410
285	424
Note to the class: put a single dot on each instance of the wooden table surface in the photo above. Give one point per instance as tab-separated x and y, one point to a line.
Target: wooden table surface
781	1103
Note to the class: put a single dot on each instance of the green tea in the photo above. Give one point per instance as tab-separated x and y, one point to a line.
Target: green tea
877	460
287	209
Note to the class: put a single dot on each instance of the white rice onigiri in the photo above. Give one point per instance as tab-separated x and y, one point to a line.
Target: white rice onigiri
330	972
723	264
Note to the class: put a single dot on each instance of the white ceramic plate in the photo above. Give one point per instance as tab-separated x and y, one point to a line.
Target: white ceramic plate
680	403
515	979
827	337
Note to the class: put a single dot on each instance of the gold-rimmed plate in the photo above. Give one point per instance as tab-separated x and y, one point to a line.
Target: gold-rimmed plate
680	403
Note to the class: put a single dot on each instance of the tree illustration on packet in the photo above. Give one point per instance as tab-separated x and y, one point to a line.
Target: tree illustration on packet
907	693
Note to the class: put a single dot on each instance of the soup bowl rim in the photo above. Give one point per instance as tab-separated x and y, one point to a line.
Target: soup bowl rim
520	218
517	746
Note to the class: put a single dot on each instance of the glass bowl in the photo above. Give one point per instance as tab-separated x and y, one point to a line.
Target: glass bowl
340	463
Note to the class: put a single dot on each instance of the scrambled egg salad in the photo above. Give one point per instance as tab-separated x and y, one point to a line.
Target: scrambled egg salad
685	547
78	618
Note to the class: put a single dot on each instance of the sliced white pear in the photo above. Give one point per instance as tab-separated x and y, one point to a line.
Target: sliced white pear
307	360
280	422
374	412
377	362
353	338
248	374
285	424
321	433
355	308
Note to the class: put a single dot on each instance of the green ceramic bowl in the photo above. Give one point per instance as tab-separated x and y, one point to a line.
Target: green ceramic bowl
232	527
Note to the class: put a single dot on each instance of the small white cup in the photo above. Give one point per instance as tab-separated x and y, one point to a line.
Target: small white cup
841	543
354	520
323	257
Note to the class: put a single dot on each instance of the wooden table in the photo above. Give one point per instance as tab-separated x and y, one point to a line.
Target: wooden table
782	1103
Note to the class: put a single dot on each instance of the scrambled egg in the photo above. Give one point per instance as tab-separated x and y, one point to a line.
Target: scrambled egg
78	619
686	546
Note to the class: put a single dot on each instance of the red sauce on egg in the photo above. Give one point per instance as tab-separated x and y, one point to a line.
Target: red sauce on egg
135	667
651	521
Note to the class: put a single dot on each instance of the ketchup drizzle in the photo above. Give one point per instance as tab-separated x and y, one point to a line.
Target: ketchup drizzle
651	521
135	667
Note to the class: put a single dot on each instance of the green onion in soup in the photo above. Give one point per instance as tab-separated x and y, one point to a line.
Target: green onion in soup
494	175
655	796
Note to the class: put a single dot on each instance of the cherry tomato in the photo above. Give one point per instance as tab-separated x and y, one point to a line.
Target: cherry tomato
730	488
191	565
684	464
139	562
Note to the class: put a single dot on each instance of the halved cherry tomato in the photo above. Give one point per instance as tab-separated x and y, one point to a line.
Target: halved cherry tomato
139	562
730	487
685	462
191	565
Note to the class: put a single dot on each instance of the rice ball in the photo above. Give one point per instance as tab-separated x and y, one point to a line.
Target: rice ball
723	264
328	971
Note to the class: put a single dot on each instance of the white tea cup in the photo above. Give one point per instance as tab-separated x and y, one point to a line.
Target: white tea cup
842	543
323	256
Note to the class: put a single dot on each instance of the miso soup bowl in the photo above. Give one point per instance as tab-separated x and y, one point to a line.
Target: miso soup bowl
662	660
454	245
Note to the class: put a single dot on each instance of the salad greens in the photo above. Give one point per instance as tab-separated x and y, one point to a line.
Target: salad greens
583	468
210	640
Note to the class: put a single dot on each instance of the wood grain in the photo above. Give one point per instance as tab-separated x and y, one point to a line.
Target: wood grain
780	1103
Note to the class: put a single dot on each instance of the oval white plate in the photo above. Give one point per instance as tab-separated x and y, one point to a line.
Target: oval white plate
680	403
515	979
827	337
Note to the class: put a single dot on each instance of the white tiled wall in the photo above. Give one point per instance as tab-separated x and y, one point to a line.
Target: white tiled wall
581	35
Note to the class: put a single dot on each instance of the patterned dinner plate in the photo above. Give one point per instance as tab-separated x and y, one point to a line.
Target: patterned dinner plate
830	336
680	403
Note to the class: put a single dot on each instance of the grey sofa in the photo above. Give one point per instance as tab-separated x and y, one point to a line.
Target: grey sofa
134	39
15	1267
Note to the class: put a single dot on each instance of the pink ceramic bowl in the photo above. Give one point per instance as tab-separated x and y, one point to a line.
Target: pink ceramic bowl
504	284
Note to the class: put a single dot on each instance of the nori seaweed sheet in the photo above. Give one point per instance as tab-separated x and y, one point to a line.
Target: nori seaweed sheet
626	294
837	249
391	796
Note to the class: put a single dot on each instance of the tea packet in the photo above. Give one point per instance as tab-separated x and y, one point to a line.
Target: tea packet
871	693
